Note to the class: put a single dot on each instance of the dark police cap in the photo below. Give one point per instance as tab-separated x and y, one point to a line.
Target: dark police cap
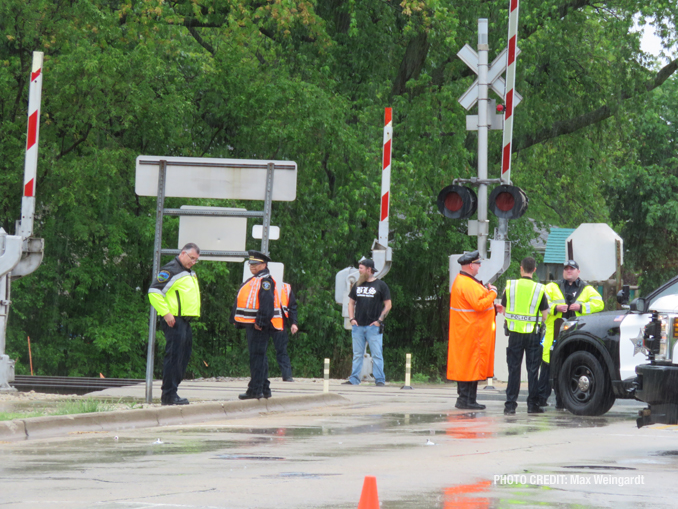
467	258
257	257
366	262
571	263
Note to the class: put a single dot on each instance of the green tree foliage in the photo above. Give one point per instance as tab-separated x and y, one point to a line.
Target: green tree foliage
643	194
306	81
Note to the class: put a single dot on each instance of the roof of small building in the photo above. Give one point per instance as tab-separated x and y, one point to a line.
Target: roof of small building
556	251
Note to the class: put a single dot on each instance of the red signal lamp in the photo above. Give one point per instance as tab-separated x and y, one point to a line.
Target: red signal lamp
501	108
457	202
508	202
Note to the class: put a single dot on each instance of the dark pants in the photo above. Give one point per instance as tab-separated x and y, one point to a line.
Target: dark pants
178	348
280	340
531	345
545	386
467	392
257	343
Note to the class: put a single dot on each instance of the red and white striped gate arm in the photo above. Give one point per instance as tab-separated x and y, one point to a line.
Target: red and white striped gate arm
386	178
31	164
510	90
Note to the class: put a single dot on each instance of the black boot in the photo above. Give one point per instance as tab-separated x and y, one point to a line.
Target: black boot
463	396
473	403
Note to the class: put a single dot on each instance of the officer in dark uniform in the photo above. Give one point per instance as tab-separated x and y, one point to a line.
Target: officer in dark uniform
257	309
175	295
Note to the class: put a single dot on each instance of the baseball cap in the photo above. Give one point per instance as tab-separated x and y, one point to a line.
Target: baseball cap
571	263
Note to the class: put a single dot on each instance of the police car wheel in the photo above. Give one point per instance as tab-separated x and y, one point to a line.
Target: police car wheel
583	385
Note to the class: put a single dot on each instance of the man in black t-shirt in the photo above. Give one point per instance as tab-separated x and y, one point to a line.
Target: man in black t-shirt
369	304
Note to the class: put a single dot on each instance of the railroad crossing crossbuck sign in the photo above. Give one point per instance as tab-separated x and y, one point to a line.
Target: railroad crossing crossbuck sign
494	79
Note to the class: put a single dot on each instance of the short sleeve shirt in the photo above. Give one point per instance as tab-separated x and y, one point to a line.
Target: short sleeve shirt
369	300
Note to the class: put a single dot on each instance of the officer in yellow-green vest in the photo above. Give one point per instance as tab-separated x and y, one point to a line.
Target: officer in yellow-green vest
175	295
525	308
568	298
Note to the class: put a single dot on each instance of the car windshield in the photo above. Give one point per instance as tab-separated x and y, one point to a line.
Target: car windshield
672	289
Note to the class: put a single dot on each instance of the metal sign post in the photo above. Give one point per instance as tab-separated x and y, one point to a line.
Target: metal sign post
489	77
157	246
267	208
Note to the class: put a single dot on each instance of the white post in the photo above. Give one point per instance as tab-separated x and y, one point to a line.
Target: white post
408	371
483	129
386	178
31	162
510	90
326	382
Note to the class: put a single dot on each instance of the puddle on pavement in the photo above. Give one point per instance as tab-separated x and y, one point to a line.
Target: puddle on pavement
248	457
297	475
71	456
480	495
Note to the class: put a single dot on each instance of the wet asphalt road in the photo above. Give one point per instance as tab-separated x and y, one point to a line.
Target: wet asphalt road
423	452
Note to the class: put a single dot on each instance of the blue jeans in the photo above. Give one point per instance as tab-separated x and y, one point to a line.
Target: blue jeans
368	334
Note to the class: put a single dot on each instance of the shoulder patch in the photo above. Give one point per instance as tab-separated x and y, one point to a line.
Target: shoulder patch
163	276
266	285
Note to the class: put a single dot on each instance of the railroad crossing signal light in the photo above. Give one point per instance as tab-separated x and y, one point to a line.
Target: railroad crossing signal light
457	202
508	202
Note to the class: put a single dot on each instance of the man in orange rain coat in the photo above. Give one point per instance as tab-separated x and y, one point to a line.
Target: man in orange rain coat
470	356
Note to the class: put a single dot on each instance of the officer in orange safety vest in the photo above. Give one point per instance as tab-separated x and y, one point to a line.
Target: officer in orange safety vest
470	355
257	309
288	302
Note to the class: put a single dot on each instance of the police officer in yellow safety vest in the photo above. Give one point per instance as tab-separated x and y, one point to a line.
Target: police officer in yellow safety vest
288	302
257	309
175	295
526	309
568	298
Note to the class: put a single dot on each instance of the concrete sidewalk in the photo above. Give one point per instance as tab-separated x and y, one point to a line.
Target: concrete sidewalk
218	399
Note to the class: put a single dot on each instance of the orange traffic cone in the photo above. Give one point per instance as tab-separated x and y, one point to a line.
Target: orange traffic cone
369	498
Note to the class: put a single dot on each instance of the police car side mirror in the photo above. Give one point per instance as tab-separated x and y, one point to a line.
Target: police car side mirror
623	295
639	305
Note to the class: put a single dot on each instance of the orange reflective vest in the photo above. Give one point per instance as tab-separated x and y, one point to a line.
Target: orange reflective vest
247	303
470	354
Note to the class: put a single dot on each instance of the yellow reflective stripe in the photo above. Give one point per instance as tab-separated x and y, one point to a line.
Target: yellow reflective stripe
535	296
512	295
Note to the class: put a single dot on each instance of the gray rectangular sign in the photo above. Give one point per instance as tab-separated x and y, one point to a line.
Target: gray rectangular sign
202	177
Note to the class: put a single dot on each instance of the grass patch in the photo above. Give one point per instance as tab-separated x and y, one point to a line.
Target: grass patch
68	407
10	416
81	406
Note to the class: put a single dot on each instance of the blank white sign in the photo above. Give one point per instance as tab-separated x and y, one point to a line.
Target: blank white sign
213	233
258	232
228	179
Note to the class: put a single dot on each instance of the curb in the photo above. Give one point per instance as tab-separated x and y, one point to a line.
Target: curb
48	426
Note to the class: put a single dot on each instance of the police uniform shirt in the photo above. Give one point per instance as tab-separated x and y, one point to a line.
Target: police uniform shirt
369	300
266	300
571	291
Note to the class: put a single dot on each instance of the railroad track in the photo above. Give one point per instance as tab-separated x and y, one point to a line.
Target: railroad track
69	384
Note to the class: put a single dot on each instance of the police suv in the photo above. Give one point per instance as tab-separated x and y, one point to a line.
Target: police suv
603	356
